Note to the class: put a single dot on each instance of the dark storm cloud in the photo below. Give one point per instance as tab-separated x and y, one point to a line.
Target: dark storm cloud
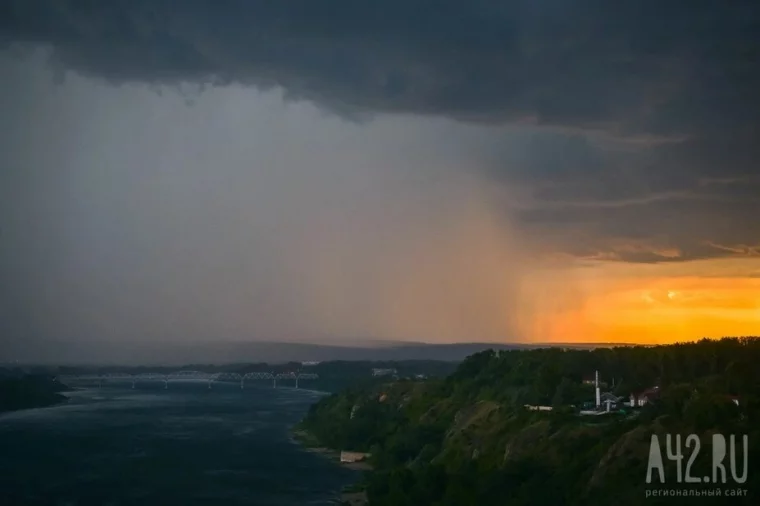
696	228
647	66
670	88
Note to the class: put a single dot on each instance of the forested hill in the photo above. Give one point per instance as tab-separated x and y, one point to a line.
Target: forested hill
470	439
22	391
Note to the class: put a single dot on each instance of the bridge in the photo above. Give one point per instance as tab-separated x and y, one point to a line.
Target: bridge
209	378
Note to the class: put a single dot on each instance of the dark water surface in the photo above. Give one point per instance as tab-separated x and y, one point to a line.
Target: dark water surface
183	446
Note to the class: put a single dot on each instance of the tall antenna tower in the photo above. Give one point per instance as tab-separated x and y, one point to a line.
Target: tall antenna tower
598	394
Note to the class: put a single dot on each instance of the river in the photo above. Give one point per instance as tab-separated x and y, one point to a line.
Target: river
186	445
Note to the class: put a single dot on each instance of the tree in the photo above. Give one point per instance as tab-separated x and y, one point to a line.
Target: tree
562	392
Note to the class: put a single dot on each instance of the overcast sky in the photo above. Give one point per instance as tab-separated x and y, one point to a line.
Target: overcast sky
555	170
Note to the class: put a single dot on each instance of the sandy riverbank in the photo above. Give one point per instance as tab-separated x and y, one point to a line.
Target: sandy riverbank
310	444
334	455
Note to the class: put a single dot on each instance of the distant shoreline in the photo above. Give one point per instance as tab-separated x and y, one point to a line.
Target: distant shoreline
241	352
30	392
62	399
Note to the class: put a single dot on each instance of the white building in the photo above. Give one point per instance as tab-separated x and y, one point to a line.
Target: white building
645	397
537	408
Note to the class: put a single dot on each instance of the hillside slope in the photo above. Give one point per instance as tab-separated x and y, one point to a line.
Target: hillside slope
469	439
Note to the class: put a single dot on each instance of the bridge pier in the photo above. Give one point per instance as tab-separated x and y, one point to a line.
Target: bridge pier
274	383
241	383
166	384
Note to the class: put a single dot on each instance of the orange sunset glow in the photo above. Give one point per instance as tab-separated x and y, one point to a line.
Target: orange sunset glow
665	303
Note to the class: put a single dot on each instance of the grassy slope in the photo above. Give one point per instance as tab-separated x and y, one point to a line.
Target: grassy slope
493	447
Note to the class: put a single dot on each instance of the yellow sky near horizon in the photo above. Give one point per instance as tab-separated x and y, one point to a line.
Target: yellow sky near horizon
657	303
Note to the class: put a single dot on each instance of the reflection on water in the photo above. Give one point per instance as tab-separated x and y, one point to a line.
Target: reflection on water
149	446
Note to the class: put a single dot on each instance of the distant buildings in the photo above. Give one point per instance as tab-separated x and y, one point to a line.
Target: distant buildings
383	372
537	408
607	402
310	363
643	398
604	402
